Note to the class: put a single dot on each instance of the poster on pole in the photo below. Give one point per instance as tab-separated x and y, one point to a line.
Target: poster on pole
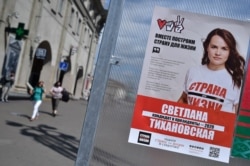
190	84
11	56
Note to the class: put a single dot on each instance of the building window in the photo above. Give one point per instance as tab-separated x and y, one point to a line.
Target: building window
71	19
60	6
76	22
85	34
53	5
89	41
79	26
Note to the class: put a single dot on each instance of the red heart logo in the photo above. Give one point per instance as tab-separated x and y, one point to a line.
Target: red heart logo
161	23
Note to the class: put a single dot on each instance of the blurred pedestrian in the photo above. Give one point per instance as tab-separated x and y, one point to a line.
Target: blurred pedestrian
56	92
8	81
37	97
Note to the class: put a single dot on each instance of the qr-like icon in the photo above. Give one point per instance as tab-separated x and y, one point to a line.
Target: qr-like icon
214	152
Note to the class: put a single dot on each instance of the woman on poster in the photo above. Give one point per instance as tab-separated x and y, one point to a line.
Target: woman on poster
217	82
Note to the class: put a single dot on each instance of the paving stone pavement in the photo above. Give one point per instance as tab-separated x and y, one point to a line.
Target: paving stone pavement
47	141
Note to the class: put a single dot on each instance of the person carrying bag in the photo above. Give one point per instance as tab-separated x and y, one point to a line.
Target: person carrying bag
56	92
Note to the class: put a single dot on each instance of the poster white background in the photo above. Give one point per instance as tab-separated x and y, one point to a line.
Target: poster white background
174	62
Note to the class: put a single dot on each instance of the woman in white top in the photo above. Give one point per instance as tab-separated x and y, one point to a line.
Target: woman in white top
56	92
217	82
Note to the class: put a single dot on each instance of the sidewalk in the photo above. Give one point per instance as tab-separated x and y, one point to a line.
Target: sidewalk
19	96
49	140
26	96
16	95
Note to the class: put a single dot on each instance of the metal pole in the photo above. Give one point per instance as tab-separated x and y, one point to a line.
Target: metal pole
99	83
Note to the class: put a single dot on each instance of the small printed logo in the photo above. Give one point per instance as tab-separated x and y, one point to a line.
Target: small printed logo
156	49
196	149
144	138
161	23
176	26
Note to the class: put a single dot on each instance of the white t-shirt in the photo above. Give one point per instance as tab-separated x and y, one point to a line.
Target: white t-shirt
211	89
56	91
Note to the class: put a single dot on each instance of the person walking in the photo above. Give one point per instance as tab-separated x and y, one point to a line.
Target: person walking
37	97
7	84
56	92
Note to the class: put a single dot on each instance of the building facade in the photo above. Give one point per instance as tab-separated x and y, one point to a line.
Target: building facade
50	40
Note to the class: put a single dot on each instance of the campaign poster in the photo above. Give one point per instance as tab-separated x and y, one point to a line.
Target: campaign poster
11	57
190	84
241	145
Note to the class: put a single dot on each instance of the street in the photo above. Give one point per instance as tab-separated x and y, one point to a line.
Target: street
48	140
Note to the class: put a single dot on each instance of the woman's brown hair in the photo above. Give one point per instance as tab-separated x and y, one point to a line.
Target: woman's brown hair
235	63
